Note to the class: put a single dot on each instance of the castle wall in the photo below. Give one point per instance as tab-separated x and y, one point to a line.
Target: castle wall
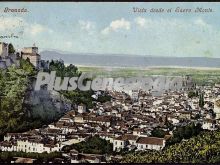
34	59
30	50
3	49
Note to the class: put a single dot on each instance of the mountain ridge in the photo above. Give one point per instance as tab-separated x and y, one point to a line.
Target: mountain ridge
92	59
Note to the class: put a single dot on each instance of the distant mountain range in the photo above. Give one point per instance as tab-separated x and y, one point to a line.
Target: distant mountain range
130	60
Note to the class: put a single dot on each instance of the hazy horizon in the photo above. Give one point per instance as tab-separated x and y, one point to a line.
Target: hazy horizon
114	28
130	61
117	54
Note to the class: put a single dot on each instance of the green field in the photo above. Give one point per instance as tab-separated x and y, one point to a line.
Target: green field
202	76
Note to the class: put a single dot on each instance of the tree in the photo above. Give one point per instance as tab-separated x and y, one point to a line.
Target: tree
185	132
93	145
197	93
203	148
192	94
201	101
104	98
11	48
157	132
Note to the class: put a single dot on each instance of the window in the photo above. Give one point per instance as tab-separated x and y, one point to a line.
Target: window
116	143
141	146
121	143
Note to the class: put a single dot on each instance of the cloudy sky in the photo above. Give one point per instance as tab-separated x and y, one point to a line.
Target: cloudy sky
114	28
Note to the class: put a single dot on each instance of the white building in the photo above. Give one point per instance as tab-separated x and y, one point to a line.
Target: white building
217	109
38	147
81	108
142	143
174	120
209	124
19	142
119	143
134	94
29	146
151	143
7	146
124	141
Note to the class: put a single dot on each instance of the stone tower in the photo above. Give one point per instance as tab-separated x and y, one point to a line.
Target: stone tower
3	49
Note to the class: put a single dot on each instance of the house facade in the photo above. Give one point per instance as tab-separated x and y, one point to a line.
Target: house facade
141	143
150	143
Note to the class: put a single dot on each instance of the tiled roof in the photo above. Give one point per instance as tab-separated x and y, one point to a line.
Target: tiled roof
150	140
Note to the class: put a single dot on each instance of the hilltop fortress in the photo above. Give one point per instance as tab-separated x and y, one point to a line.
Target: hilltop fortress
32	54
7	59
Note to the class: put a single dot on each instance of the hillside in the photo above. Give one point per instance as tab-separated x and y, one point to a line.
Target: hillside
13	85
203	148
22	108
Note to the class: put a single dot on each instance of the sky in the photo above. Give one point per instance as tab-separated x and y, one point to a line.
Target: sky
114	28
